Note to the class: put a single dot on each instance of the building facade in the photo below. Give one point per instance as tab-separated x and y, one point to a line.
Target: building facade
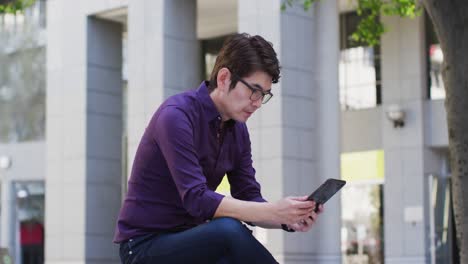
110	64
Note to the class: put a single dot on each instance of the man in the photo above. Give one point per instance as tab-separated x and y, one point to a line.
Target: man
172	213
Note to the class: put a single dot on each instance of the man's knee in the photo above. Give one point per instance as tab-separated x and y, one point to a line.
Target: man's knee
230	225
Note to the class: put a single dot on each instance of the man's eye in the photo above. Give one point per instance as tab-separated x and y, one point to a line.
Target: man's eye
258	87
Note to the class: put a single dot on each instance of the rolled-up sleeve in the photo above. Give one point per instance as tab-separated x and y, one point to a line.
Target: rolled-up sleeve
174	137
244	186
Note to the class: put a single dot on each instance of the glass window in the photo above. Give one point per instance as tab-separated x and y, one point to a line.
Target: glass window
362	223
22	75
442	226
435	59
22	95
362	229
359	68
210	50
30	219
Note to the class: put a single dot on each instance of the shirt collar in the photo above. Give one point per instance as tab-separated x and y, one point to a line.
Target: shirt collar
208	105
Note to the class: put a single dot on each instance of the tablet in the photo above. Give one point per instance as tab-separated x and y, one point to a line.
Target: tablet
326	191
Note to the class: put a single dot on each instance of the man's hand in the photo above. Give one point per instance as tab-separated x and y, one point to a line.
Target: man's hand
306	224
291	210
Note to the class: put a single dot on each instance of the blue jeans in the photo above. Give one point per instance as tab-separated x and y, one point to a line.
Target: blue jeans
223	240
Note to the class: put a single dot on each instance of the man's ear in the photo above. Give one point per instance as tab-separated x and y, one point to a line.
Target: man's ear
224	79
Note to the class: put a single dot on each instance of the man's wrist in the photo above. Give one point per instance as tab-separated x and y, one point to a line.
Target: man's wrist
267	212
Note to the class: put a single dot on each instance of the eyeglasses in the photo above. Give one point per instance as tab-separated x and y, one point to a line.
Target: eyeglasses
257	91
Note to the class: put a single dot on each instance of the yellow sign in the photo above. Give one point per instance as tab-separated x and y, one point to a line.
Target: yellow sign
362	166
224	187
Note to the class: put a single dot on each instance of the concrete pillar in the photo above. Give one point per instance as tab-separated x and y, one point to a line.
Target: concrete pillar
84	135
103	138
328	138
66	137
164	59
265	127
406	157
84	111
288	141
7	220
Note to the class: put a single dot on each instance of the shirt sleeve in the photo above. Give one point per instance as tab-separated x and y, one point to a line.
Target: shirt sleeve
244	186
174	136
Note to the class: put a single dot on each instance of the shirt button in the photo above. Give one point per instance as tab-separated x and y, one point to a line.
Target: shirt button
219	118
130	252
131	240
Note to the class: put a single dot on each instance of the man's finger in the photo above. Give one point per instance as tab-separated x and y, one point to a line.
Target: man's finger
305	204
298	198
320	208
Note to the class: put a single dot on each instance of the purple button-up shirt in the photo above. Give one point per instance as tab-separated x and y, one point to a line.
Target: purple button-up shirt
182	158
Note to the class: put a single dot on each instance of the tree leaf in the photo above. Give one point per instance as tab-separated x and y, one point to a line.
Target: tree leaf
14	6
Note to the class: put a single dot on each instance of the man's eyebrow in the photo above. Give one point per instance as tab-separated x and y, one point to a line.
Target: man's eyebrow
260	87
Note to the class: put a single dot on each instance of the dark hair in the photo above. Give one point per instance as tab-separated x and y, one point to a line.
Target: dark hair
243	55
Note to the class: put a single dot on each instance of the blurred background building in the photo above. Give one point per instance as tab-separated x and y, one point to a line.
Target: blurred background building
79	82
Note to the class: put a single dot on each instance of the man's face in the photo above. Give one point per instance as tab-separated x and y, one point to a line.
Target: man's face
238	104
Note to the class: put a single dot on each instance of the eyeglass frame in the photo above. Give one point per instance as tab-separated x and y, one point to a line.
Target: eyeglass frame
255	89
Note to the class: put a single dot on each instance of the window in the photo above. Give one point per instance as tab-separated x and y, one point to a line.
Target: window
22	75
435	59
32	17
442	228
30	205
22	95
359	68
362	223
210	50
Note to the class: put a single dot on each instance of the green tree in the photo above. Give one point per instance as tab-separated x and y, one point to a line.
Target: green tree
13	6
450	20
